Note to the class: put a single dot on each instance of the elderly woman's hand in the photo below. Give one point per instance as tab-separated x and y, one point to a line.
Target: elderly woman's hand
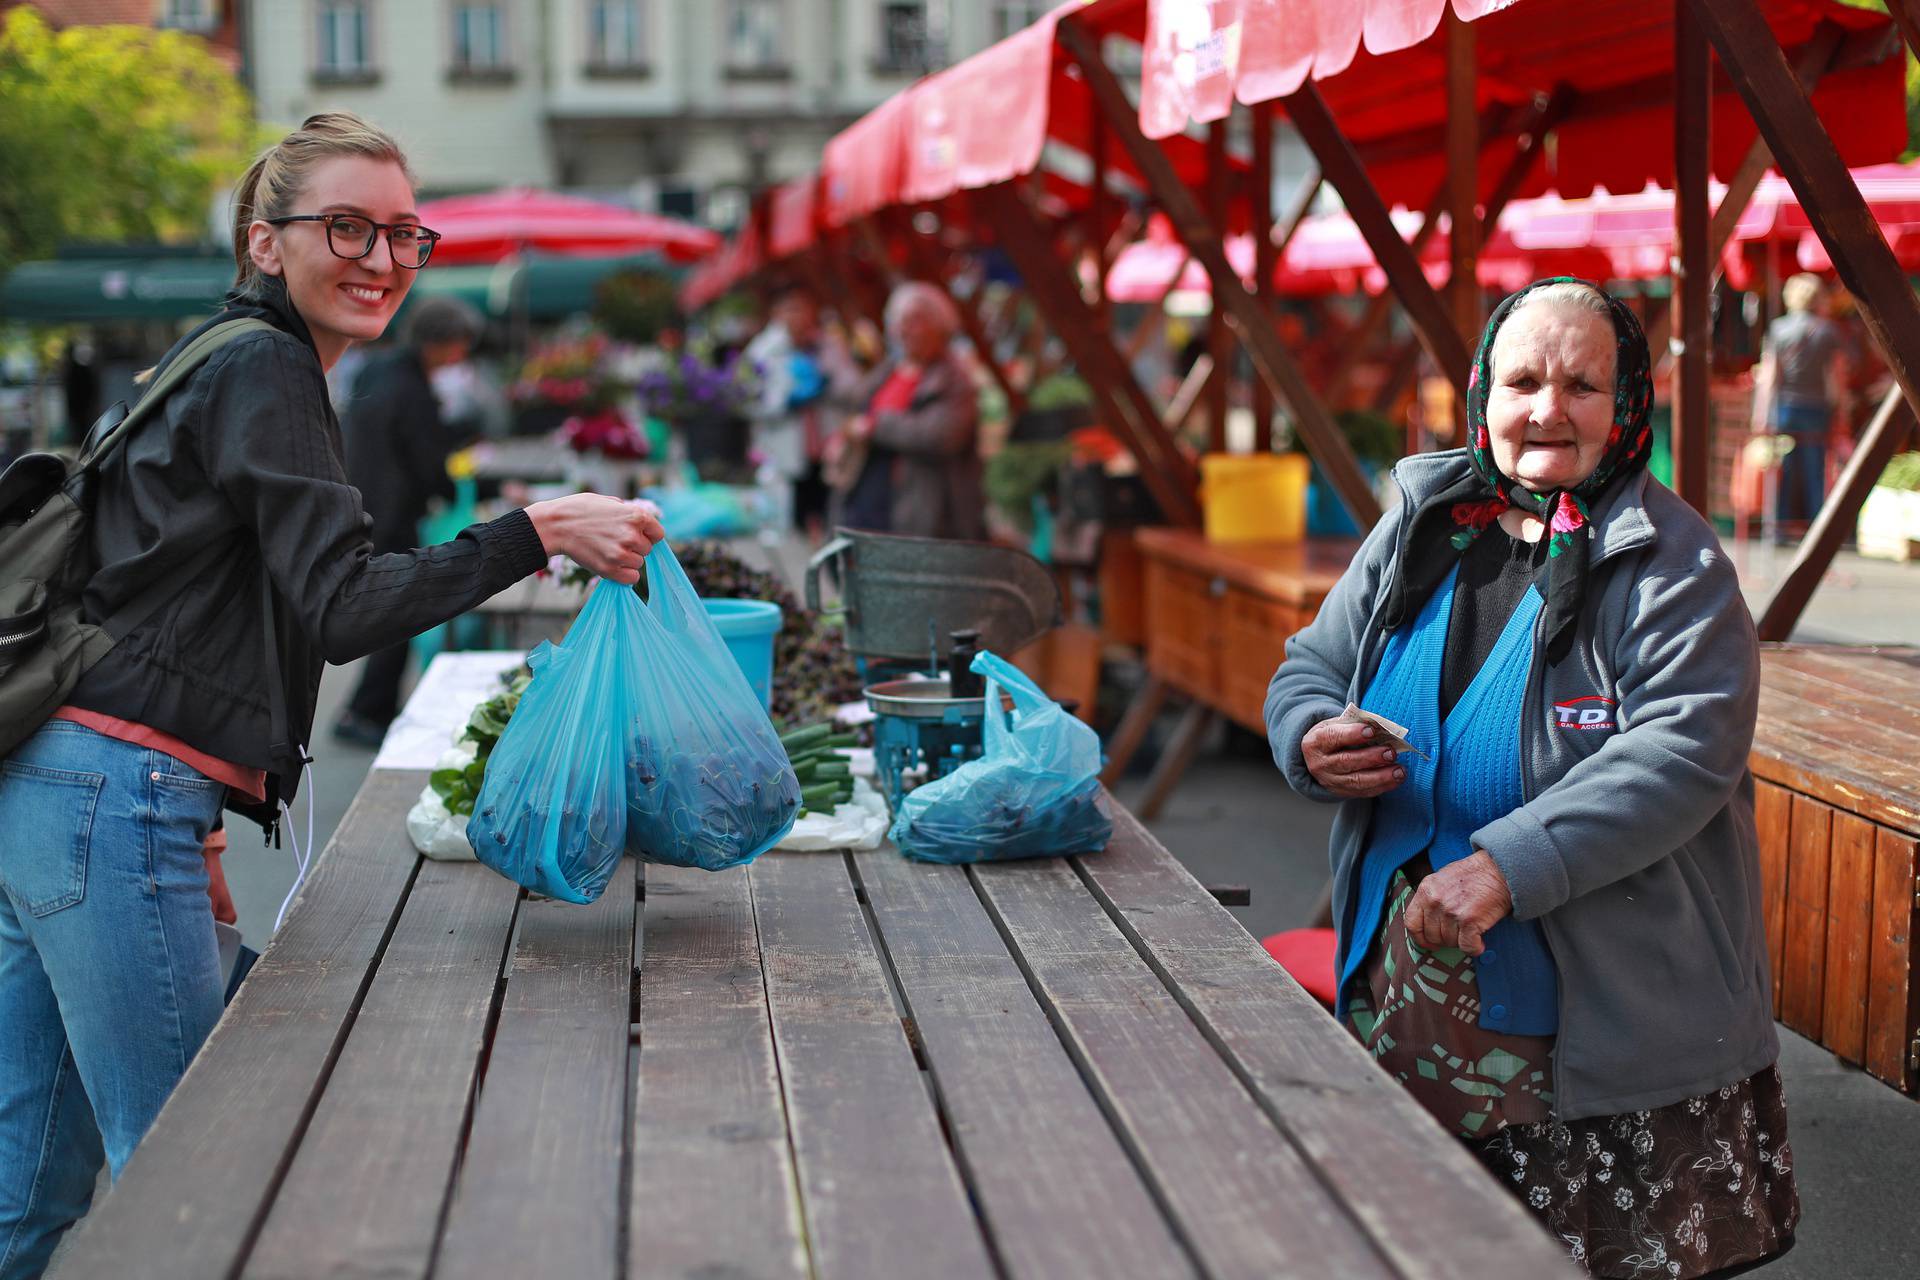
1344	758
1456	905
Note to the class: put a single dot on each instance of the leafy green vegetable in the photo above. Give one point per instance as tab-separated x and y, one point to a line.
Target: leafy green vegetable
459	788
1903	472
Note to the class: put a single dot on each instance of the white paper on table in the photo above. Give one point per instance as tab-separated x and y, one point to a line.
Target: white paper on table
860	823
442	703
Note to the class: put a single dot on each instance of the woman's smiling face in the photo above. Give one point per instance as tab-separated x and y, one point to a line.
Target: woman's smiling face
1550	408
342	301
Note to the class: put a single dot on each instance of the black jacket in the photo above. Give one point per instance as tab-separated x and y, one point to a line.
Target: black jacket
397	446
247	456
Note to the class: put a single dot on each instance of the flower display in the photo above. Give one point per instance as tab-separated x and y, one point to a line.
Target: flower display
691	386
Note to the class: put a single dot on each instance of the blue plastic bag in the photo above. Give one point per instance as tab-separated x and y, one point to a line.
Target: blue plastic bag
708	784
552	810
1034	792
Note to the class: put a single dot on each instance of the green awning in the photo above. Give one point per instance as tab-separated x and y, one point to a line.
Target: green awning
88	289
78	290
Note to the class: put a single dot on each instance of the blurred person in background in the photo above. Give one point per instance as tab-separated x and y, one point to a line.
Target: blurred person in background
110	975
799	362
397	445
1797	390
908	461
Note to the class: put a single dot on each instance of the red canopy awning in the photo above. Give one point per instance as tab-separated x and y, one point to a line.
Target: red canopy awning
793	216
1201	55
487	228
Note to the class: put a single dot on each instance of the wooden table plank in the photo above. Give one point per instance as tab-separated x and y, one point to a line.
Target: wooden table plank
713	1180
1396	1170
1803	973
247	1097
1893	997
1773	822
1059	1193
539	1190
1801	758
368	1185
1243	1199
1875	690
879	1188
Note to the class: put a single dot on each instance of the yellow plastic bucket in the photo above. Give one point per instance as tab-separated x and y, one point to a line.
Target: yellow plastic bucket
1259	497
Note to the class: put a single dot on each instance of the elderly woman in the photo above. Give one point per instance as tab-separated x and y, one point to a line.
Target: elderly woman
1549	911
907	461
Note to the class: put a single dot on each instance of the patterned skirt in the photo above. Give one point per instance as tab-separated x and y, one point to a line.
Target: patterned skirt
1683	1190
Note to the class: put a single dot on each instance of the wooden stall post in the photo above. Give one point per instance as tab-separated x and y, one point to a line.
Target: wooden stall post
1271	359
1463	188
1165	470
1342	166
1692	268
1840	217
1219	341
1263	260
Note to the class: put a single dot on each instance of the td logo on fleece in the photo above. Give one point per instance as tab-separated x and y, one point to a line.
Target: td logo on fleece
1590	712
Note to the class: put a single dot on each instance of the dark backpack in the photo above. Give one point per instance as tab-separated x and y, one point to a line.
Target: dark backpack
46	556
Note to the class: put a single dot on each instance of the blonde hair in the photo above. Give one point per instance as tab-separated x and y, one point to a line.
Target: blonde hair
279	175
1800	292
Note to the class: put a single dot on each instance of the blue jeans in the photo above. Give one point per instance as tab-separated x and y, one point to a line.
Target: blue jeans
1802	484
109	967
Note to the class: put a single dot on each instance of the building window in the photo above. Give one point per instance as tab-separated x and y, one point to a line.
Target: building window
906	43
190	15
616	34
1010	16
479	36
345	46
754	35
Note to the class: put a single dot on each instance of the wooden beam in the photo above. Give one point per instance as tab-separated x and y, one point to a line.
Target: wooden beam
1271	360
1815	58
1297	212
1338	161
1906	16
1168	473
1692	265
1463	184
1184	401
1881	440
1544	114
1263	259
1840	217
1219	340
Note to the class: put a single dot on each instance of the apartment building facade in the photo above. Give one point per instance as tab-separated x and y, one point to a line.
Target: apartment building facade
683	106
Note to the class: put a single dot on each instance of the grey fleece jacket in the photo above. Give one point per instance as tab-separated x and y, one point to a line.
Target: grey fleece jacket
1635	849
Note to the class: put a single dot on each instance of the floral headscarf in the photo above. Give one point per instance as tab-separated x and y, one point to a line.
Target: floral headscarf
1449	522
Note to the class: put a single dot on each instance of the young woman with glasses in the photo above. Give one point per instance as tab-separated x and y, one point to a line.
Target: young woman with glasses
109	969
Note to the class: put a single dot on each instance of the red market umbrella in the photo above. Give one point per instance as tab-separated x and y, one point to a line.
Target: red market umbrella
498	224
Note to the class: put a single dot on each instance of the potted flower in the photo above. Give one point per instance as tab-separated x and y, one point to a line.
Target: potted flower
562	379
708	402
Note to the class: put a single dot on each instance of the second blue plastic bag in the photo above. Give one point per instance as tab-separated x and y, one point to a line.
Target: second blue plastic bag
552	810
1034	792
708	784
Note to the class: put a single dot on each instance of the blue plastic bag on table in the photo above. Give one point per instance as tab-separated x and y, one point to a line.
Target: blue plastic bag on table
1035	790
708	784
552	810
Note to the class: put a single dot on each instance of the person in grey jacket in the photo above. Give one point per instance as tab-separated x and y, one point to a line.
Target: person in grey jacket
908	461
1548	913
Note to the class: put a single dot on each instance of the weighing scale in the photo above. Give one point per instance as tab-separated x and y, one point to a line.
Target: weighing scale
903	598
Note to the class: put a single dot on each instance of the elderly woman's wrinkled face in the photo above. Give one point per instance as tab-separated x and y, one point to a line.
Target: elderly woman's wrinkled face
1550	408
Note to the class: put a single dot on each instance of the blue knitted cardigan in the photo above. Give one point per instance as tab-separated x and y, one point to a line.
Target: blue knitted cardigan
1472	778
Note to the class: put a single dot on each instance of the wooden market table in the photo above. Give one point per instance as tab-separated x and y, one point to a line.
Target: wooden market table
830	1065
1836	762
1217	620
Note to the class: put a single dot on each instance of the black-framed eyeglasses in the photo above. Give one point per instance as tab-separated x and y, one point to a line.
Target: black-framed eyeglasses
350	236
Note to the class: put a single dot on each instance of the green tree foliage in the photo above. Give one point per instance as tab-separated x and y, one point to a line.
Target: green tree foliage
111	133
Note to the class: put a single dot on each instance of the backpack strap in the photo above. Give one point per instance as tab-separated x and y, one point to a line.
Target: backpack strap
119	624
176	371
